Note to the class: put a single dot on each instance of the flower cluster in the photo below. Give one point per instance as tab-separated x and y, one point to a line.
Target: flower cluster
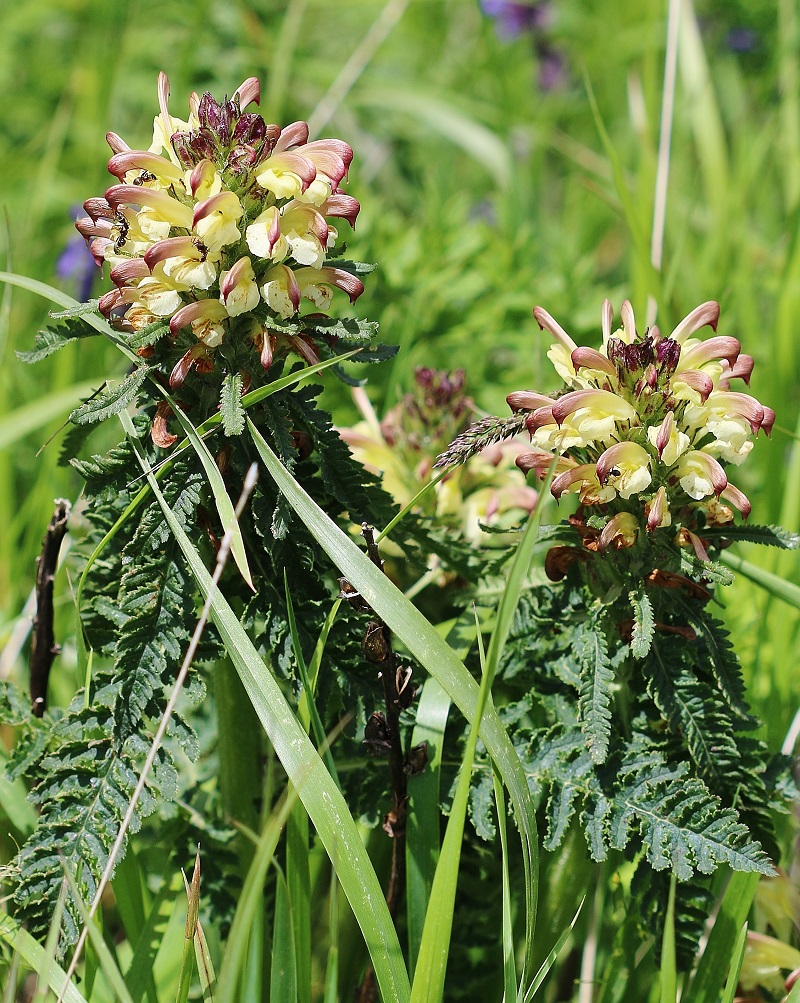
221	227
646	426
402	449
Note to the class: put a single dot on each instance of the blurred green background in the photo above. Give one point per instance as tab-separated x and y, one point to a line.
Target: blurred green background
486	188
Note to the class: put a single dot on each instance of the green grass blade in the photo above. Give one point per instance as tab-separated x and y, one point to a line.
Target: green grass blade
298	882
443	117
106	961
387	529
550	960
332	967
629	209
710	973
307	708
320	795
422	832
33	955
283	977
205	966
774	584
192	909
422	640
669	974
319	648
251	900
127	885
222	500
139	974
509	966
50	947
434	949
737	958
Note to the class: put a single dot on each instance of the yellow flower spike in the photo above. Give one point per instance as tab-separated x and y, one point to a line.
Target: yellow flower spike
264	237
657	510
601	403
156	205
183	262
206	318
706	313
203	181
583	479
165	125
160	293
281	292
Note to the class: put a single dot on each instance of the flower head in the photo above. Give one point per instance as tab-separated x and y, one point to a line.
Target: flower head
402	449
222	227
645	427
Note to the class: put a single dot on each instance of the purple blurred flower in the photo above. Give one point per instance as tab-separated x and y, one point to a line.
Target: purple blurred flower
742	39
512	19
76	264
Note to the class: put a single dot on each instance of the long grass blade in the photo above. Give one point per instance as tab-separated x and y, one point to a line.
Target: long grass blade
710	973
222	499
550	960
729	993
50	947
33	954
107	964
434	949
774	584
18	425
422	832
669	974
283	977
509	966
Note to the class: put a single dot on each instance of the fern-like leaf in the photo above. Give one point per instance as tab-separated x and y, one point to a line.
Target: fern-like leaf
770	536
694	713
643	622
683	826
230	404
112	400
721	658
591	648
51	339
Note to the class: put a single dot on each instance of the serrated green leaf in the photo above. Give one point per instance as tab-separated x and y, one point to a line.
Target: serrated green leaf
683	826
148	335
230	404
52	339
112	400
591	648
643	622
